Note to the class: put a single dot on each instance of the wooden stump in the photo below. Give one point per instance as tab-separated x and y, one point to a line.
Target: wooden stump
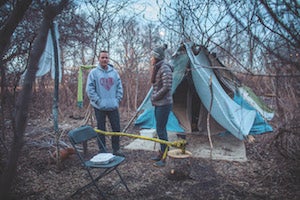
178	164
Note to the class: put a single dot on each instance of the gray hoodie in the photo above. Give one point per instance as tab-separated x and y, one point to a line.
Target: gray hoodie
104	88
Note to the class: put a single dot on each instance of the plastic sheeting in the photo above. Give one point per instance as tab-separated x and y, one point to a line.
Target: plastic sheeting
235	115
47	60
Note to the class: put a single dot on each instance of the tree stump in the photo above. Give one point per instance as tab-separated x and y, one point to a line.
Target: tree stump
178	165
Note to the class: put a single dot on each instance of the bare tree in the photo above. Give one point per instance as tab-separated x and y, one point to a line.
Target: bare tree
278	23
75	37
132	55
200	22
206	23
102	16
9	172
11	24
6	31
274	28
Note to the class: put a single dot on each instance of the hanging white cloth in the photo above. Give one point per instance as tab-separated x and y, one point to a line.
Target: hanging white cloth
47	60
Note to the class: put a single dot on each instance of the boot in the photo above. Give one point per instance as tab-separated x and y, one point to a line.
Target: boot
118	153
160	163
157	157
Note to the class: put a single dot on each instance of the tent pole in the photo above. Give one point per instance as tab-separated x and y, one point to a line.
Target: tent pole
130	121
208	116
56	91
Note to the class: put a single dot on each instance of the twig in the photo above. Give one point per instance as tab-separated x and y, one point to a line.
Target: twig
130	121
208	117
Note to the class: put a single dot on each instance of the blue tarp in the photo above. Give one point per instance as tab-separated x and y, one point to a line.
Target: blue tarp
146	120
235	115
259	125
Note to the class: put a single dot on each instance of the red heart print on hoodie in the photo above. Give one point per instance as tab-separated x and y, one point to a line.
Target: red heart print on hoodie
107	83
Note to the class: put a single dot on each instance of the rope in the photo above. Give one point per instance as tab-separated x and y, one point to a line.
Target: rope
180	144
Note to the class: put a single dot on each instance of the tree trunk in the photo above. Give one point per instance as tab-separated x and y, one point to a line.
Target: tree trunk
11	24
6	33
23	100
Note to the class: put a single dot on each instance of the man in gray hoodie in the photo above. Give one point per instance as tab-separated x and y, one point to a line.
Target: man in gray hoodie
105	91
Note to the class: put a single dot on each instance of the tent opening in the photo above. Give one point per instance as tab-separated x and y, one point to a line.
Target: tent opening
196	103
187	104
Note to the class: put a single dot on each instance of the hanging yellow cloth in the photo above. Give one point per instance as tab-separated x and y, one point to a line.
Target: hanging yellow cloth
80	84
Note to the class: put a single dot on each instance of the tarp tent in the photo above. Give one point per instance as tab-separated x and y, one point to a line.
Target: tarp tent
201	84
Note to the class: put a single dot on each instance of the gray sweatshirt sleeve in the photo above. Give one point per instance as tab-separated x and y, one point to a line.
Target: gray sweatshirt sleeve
91	89
119	89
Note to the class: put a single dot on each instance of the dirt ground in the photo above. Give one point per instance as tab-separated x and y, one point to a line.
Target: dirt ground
266	174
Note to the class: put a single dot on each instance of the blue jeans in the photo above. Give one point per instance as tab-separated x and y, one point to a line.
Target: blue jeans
114	119
161	116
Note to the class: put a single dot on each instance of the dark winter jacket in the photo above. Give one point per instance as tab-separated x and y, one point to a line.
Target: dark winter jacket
162	86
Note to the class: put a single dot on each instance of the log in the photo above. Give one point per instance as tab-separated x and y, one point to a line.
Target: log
178	165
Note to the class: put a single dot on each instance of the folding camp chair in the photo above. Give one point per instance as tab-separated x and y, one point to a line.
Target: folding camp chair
85	134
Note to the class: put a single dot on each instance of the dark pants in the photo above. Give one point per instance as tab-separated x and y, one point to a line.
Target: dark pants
114	119
161	116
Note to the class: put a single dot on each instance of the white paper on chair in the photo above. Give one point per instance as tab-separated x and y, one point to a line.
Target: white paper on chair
102	158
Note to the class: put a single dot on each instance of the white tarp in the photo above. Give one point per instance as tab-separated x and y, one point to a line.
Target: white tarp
47	60
233	117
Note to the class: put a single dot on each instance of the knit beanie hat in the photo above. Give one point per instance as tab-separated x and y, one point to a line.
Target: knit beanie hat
159	52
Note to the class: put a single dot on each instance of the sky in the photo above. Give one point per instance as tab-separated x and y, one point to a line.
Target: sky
149	7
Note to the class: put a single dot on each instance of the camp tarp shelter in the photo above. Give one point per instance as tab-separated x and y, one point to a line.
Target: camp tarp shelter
201	83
